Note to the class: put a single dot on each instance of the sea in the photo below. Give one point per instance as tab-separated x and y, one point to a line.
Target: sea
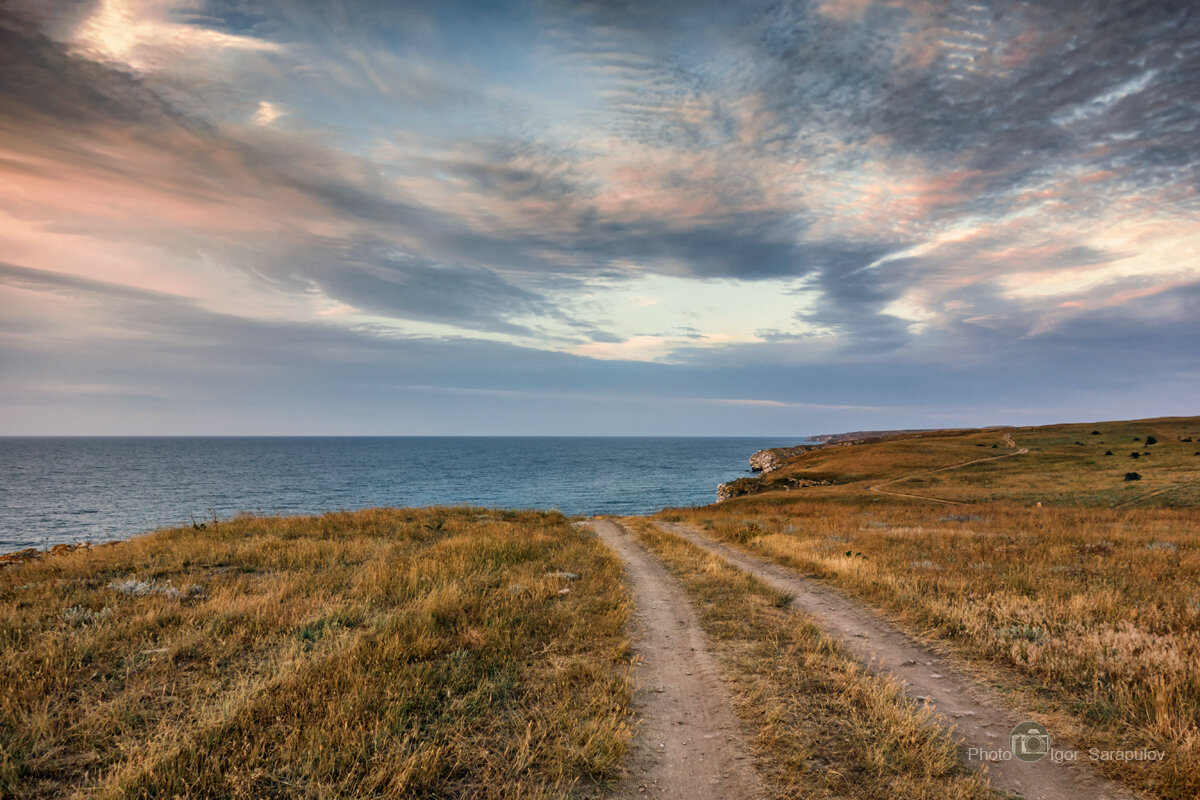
92	489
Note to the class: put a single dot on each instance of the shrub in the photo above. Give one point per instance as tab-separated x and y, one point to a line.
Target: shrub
1132	476
1151	440
1029	633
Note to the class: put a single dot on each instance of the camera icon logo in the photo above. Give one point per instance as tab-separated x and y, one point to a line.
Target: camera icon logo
1030	741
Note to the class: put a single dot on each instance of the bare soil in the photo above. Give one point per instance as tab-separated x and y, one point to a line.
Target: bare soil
687	744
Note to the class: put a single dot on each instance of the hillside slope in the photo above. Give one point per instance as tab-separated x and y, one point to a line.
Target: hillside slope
1083	464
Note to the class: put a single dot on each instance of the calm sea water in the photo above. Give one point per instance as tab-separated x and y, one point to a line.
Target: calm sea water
76	489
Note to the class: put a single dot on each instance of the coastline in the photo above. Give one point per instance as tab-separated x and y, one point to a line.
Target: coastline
78	490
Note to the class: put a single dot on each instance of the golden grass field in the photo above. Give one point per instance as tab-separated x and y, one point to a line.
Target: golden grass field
380	653
1088	606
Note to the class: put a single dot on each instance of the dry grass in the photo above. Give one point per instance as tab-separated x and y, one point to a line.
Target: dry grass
821	726
1095	613
1066	465
391	653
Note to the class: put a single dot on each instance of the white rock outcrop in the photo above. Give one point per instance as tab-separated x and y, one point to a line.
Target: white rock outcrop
772	459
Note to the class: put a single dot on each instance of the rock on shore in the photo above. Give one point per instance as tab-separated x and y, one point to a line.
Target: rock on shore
764	462
773	458
744	486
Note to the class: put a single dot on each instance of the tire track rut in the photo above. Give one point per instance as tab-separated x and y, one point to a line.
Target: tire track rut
687	743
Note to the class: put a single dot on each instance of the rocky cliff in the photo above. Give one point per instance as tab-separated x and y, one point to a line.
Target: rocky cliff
744	486
773	458
766	462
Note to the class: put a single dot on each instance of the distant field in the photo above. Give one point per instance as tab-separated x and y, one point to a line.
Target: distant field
1066	465
1088	605
392	652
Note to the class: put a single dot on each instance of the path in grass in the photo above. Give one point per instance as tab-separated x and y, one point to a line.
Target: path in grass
1134	500
979	717
687	744
1008	441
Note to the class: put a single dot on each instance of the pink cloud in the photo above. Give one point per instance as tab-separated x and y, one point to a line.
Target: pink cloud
844	10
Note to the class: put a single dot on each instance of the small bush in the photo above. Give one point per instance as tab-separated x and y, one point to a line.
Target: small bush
1028	633
1151	440
1132	476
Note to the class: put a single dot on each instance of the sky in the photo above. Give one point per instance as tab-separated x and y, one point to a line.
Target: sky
595	218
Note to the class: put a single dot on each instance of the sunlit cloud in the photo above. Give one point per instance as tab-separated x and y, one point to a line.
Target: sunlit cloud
145	34
266	113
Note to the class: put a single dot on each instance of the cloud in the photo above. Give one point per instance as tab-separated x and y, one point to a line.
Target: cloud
267	113
373	277
876	183
142	35
327	219
123	360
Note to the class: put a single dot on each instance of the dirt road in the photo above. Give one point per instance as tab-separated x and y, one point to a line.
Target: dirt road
980	718
687	744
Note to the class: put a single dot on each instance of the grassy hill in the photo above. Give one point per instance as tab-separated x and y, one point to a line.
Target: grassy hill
1078	465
